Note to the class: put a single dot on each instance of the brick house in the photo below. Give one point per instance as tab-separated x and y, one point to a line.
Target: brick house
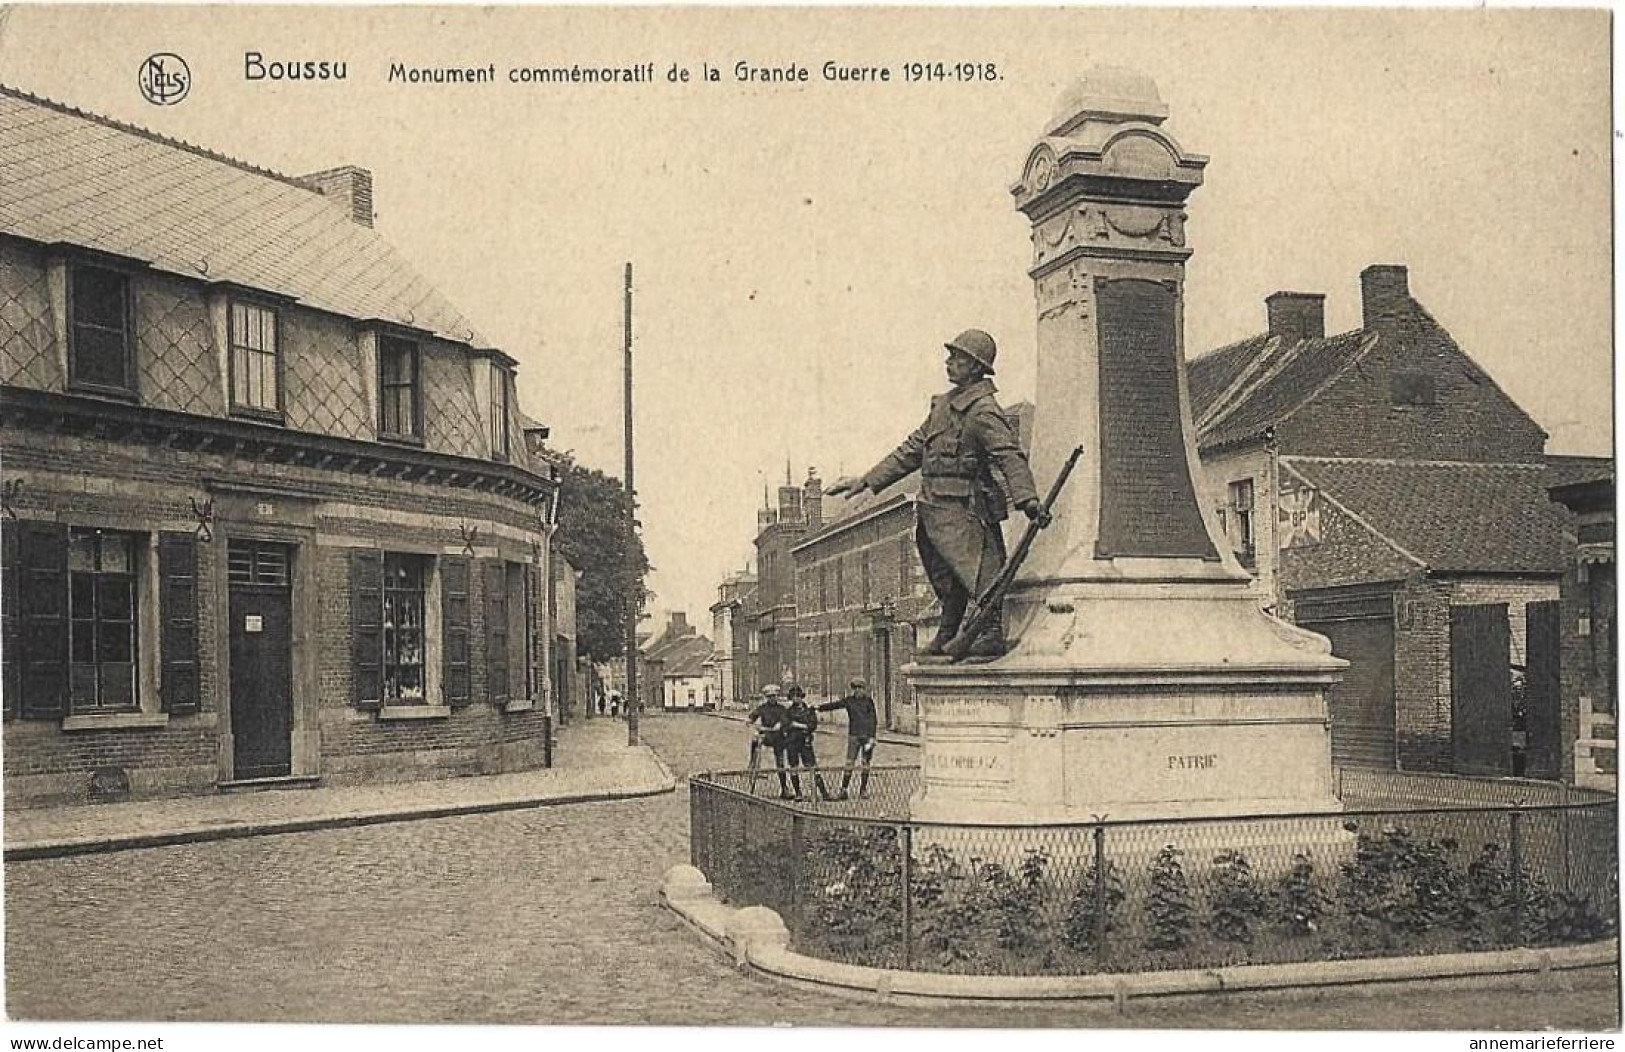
268	514
1378	483
1590	635
766	635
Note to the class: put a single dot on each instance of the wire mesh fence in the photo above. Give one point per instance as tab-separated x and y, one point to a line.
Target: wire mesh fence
857	881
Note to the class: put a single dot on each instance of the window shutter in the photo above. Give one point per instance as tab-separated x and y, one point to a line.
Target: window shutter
178	609
10	623
496	631
367	626
42	652
454	626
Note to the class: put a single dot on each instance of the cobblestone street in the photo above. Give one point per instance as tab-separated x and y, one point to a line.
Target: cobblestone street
537	916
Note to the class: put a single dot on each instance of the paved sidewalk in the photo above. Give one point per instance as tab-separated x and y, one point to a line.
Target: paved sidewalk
591	762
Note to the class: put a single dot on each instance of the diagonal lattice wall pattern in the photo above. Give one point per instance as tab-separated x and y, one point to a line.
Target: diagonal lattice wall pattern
322	373
451	422
175	351
28	354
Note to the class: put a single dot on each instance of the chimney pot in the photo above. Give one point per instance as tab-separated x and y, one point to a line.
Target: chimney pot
1385	293
1296	316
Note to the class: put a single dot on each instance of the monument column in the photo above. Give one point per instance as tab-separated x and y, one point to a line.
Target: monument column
1145	680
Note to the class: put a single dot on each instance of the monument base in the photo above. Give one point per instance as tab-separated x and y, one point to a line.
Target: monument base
1130	702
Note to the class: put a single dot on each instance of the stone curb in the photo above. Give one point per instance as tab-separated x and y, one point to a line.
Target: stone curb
884	737
235	830
763	944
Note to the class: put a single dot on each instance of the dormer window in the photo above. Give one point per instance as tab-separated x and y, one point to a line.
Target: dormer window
501	448
399	390
256	374
100	351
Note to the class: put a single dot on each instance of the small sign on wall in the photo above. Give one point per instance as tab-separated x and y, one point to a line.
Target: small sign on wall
1299	517
253	623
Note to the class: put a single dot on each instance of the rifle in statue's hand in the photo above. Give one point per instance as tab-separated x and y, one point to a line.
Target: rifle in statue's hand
982	610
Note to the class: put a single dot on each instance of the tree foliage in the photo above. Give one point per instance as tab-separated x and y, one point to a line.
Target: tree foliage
595	535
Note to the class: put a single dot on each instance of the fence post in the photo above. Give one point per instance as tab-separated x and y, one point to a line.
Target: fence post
696	825
797	864
1100	896
905	843
1515	835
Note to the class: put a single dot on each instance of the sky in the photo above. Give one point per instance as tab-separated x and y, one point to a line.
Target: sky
802	251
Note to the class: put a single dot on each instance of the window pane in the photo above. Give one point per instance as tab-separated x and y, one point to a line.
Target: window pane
82	550
117	686
82	685
115	595
98	297
117	553
98	356
267	394
82	642
116	643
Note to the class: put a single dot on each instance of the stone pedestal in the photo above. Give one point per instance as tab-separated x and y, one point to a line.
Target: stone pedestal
1146	681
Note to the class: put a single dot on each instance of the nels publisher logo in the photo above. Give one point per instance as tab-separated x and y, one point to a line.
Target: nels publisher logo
165	79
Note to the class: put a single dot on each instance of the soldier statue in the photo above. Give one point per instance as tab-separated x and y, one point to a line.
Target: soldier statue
970	461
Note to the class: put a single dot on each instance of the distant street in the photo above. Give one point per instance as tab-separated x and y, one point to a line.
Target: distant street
537	916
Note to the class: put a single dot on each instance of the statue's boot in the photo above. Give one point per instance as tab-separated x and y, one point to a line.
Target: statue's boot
953	612
990	641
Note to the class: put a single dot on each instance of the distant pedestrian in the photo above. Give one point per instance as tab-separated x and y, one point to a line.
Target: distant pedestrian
768	719
861	727
615	704
800	724
602	702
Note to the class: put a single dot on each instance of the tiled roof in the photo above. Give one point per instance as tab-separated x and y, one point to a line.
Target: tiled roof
1455	518
687	657
68	176
1211	374
1565	469
1296	372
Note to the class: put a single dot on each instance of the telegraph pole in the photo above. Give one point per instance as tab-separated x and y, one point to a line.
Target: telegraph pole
634	603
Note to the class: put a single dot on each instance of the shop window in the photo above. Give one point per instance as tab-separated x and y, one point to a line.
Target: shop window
256	368
100	348
405	639
399	389
102	621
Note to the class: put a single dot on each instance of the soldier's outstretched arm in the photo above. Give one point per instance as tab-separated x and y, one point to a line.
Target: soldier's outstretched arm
902	461
991	430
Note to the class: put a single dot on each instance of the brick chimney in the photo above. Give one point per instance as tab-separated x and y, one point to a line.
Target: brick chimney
812	499
679	626
1295	316
1385	294
352	186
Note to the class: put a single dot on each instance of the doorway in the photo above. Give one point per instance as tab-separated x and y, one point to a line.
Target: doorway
259	581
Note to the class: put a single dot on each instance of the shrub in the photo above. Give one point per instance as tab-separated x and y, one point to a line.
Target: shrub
1236	901
1299	902
1093	896
1397	885
1169	903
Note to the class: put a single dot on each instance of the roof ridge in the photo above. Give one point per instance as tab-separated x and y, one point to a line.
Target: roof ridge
1413	462
1245	381
158	137
1368	340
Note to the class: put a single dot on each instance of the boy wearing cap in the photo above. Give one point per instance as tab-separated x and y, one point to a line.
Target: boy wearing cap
861	726
800	723
769	719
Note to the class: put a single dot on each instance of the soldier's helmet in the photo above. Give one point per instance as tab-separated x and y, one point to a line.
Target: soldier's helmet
978	345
